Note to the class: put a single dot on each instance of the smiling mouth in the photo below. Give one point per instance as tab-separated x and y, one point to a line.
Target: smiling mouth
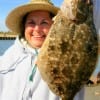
39	37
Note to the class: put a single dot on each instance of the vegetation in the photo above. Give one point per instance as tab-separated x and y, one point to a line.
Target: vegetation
7	35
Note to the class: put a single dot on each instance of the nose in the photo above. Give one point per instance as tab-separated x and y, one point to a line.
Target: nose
37	28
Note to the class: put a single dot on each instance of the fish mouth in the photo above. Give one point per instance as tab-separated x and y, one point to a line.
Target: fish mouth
76	10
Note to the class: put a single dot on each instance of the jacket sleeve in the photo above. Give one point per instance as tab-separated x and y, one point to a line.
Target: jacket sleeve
1	84
96	14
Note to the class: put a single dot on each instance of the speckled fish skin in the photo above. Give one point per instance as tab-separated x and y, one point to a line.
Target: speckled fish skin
70	52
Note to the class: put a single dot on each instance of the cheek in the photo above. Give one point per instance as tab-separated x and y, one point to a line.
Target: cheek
46	31
28	31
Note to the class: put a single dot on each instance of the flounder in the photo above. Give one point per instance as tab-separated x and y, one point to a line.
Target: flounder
70	52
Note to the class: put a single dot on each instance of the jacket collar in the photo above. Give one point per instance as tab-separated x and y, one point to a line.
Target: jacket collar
14	55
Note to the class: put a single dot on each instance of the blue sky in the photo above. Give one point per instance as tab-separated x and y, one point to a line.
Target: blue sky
7	5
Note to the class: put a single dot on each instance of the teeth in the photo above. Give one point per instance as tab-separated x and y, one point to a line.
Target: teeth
37	36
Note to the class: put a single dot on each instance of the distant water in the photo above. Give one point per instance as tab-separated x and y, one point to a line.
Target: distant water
4	45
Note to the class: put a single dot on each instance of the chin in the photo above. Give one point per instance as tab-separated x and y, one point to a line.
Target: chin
37	46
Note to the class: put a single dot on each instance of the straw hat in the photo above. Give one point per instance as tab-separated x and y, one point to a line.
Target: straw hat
14	18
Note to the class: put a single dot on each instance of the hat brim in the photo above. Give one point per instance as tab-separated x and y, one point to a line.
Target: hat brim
14	18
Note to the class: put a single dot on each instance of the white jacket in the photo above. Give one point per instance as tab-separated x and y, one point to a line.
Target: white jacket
15	67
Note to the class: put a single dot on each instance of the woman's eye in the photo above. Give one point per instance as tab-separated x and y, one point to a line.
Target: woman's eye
30	23
44	23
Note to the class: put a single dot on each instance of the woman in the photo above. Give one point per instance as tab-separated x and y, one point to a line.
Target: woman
19	76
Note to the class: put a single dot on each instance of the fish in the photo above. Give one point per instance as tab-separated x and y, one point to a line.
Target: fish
69	54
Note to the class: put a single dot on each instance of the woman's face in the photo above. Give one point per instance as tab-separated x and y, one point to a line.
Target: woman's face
37	25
